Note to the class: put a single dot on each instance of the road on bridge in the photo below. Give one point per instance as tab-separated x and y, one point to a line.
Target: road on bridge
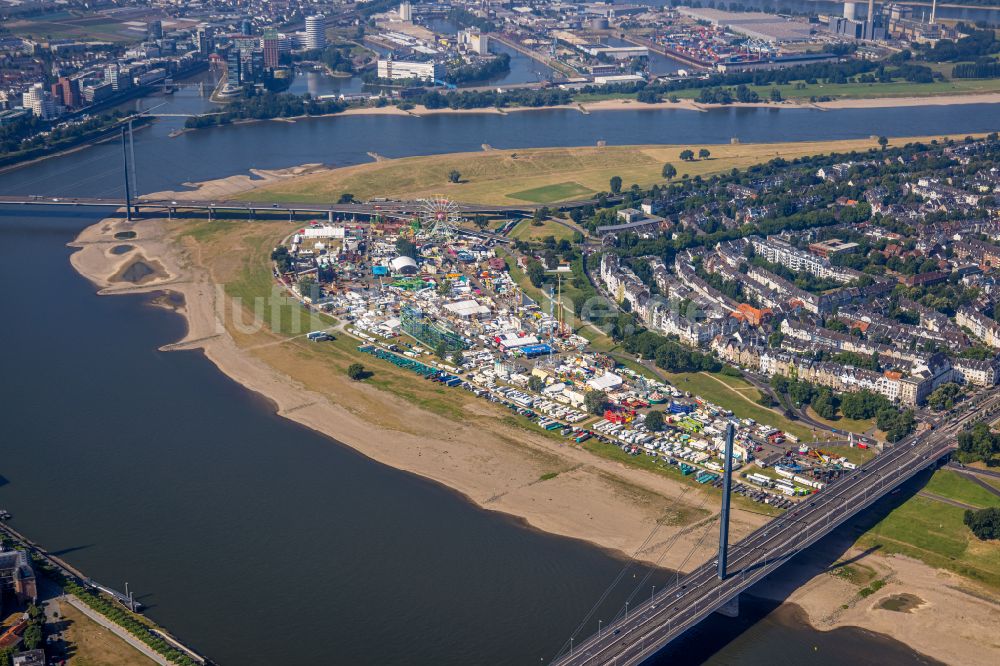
644	629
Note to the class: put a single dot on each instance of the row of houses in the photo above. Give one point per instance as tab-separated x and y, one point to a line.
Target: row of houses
910	388
696	324
778	251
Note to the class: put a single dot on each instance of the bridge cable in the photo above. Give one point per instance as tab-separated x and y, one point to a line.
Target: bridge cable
634	559
60	173
628	564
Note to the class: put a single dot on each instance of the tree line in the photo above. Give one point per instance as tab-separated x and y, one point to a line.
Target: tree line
268	105
480	70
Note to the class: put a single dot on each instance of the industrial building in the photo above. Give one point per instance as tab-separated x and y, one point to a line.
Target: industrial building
756	25
404	69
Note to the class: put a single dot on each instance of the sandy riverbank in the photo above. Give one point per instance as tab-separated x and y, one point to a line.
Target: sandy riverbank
951	618
495	465
895	102
684	105
499	467
419	111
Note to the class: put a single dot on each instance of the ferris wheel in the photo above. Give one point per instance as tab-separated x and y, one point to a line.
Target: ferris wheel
440	216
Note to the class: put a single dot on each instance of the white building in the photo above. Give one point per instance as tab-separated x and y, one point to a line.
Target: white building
981	326
39	101
315	32
403	69
475	40
978	373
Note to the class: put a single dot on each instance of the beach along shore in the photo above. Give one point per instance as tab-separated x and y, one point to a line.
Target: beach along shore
480	451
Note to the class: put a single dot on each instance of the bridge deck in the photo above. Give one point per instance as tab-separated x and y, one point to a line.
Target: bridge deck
654	623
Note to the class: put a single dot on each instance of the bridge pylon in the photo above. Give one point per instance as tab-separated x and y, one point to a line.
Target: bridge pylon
727	488
128	190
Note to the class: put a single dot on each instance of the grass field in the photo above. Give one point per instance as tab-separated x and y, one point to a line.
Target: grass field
65	25
871	90
538	175
527	231
556	192
934	533
953	485
857	426
739	396
93	645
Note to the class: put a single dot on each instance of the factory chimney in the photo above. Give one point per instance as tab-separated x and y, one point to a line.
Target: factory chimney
870	20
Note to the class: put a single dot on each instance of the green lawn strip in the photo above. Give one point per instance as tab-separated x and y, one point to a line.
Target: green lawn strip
933	532
958	487
741	403
991	480
656	465
857	426
527	231
867	90
583	98
551	193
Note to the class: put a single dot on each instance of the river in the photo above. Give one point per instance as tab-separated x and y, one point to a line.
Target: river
259	541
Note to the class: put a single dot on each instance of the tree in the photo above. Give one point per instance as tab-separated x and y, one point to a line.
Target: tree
943	397
883	141
595	401
441	350
406	248
616	184
345	198
978	443
357	372
864	405
444	287
824	403
775	95
984	523
654	421
704	153
536	272
282	258
308	288
535	383
457	358
454	176
687	155
32	636
669	171
480	221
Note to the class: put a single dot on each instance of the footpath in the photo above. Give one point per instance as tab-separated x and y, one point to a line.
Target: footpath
119	631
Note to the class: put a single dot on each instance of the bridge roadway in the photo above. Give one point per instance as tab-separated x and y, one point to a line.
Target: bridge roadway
649	626
214	205
369	208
